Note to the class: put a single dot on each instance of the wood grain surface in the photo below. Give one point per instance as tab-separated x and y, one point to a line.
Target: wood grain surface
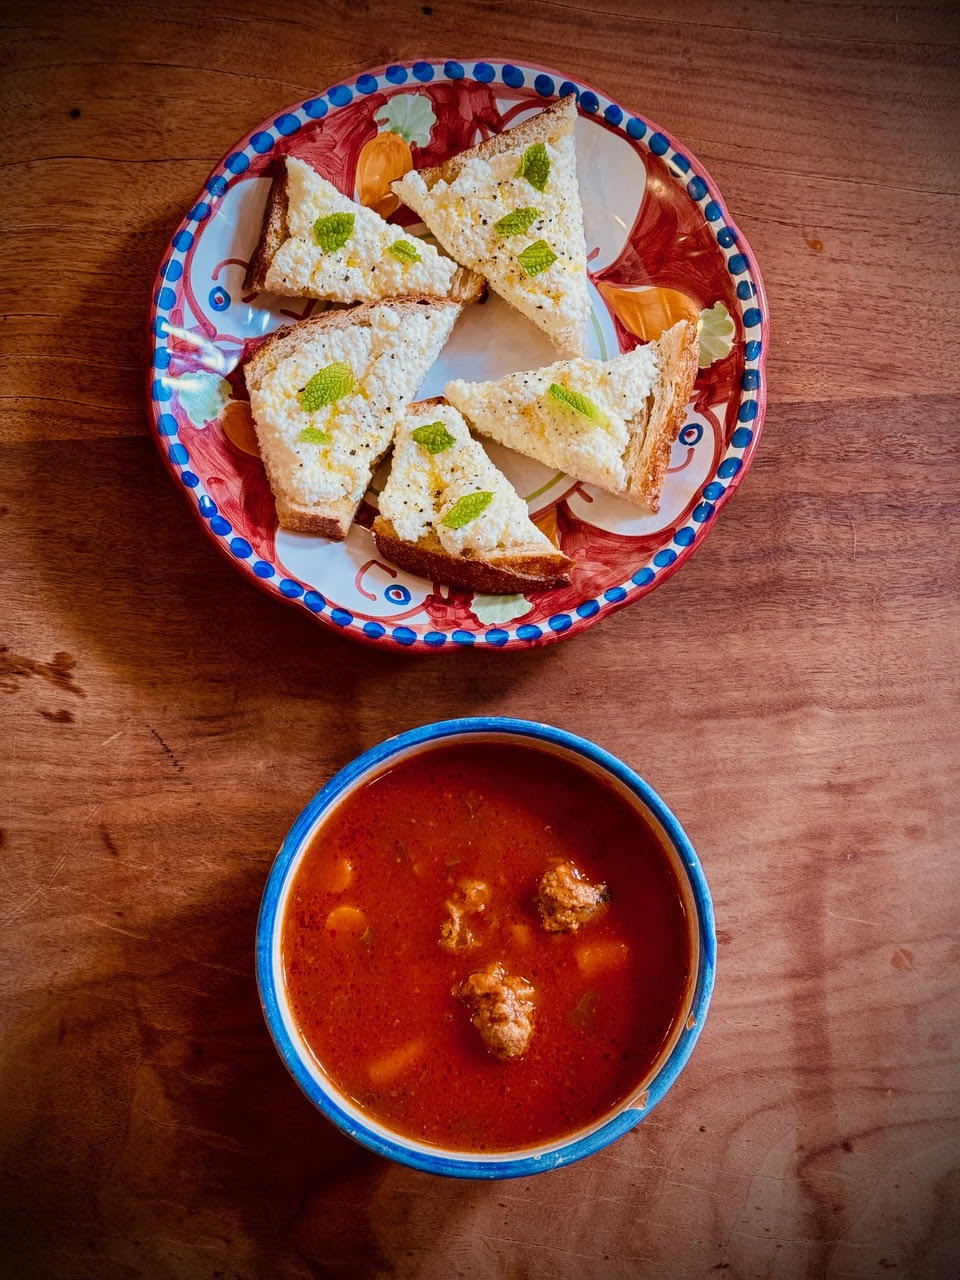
792	692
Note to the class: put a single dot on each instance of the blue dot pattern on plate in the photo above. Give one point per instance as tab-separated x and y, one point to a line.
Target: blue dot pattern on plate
218	299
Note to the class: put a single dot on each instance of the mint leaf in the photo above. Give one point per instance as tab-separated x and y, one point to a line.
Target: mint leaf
578	402
536	257
535	166
403	250
313	435
327	386
333	232
466	509
434	437
513	224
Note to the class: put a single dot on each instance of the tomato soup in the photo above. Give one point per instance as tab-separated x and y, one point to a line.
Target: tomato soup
375	971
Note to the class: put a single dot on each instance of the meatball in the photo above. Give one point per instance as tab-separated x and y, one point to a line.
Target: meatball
463	909
501	1008
566	900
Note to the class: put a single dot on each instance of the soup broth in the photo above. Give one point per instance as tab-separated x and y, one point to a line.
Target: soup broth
375	993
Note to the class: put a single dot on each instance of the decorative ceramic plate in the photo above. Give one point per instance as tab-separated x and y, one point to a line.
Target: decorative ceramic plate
661	247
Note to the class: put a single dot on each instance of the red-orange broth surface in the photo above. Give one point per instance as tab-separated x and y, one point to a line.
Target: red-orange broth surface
372	990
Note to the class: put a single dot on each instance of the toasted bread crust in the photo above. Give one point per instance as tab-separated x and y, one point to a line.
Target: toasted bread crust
550	123
273	231
327	519
508	575
651	435
285	341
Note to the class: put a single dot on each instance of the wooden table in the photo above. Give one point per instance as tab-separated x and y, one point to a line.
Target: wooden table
792	692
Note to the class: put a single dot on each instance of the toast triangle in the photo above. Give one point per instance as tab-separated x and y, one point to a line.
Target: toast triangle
447	513
610	423
510	209
317	243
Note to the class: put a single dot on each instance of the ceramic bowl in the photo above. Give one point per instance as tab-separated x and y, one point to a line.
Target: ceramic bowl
340	1109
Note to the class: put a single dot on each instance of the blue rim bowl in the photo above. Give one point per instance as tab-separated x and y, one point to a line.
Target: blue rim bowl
340	1109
